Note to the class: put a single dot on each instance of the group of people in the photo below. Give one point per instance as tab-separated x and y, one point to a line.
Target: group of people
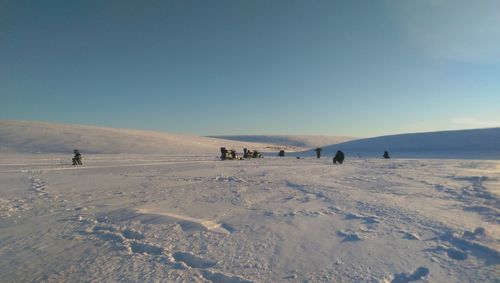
337	159
231	154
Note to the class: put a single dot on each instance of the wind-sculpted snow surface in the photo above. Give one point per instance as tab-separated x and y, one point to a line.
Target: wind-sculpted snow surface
170	219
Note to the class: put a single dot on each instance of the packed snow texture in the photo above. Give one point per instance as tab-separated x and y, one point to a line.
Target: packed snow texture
145	218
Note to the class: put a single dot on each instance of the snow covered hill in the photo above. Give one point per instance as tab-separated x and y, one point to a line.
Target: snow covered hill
470	144
304	141
42	137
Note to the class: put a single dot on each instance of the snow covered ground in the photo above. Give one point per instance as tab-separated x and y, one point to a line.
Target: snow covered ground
459	144
147	218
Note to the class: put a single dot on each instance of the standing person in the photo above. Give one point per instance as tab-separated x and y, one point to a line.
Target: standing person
318	152
386	155
339	157
77	159
223	153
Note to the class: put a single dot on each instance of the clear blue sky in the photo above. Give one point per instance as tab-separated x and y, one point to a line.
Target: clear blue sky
360	68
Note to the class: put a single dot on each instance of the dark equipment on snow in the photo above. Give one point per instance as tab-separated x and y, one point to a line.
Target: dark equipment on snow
251	154
77	159
318	152
282	153
339	157
386	155
228	154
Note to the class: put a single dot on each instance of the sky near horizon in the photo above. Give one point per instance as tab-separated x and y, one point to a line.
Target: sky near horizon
354	68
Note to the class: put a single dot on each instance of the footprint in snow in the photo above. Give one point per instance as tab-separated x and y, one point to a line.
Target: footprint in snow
451	252
184	259
143	248
350	236
222	278
132	234
193	261
418	274
456	254
410	236
368	219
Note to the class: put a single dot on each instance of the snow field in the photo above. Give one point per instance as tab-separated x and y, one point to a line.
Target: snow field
197	219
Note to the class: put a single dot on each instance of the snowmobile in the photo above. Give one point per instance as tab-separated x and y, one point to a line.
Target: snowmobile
77	159
251	154
228	154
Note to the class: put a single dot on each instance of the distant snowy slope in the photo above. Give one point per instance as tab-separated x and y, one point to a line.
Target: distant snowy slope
29	137
474	144
304	141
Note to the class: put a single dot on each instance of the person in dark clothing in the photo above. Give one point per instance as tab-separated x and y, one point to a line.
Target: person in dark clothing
282	153
318	152
223	153
386	155
77	159
339	157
